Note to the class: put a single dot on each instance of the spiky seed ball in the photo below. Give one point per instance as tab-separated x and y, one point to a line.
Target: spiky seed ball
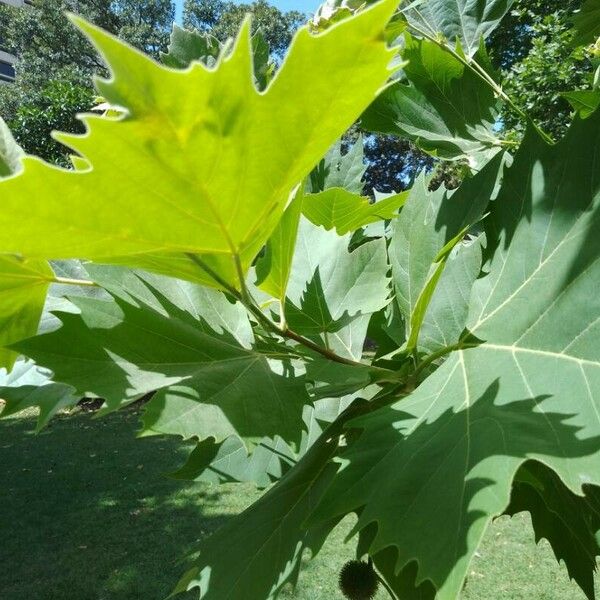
358	580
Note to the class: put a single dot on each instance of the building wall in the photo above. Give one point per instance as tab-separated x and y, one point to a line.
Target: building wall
7	60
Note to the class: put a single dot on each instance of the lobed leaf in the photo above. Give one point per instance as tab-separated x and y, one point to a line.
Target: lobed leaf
463	21
192	341
202	162
187	46
266	542
333	292
528	391
430	225
445	108
27	386
23	288
340	170
571	523
340	209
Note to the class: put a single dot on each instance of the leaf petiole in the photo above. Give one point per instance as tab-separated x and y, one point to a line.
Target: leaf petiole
274	328
69	281
478	70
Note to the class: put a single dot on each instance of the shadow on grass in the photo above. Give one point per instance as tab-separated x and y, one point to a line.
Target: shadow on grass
87	513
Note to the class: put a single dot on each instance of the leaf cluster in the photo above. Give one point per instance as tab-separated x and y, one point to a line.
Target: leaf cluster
426	360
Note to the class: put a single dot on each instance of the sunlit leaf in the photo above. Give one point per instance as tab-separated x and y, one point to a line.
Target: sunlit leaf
340	209
201	162
445	108
23	287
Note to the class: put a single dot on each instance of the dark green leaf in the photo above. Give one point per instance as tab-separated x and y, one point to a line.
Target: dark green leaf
266	542
464	21
571	523
583	101
529	390
587	23
150	338
444	107
29	386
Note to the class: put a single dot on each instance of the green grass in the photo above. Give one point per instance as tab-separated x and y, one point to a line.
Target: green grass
87	514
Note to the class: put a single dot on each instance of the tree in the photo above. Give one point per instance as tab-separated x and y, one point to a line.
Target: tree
53	109
533	48
53	54
223	19
221	278
392	163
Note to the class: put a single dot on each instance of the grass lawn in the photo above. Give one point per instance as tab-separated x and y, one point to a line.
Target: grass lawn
86	514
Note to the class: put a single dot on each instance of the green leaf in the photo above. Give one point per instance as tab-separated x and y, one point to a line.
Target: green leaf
273	269
27	385
529	390
266	542
231	397
201	303
465	21
338	380
56	299
340	170
444	107
11	154
446	313
339	208
229	461
264	69
23	288
201	162
583	101
571	523
587	23
145	340
187	46
429	226
403	583
332	292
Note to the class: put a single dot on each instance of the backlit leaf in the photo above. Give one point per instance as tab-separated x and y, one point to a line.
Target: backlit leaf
201	162
23	287
11	154
340	209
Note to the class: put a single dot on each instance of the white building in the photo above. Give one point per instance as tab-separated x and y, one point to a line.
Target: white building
7	59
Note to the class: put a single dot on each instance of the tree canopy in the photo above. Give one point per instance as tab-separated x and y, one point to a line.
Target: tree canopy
223	19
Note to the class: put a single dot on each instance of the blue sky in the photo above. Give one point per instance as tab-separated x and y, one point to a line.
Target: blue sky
307	6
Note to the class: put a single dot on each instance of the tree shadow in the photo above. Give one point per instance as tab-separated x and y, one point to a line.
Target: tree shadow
87	512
